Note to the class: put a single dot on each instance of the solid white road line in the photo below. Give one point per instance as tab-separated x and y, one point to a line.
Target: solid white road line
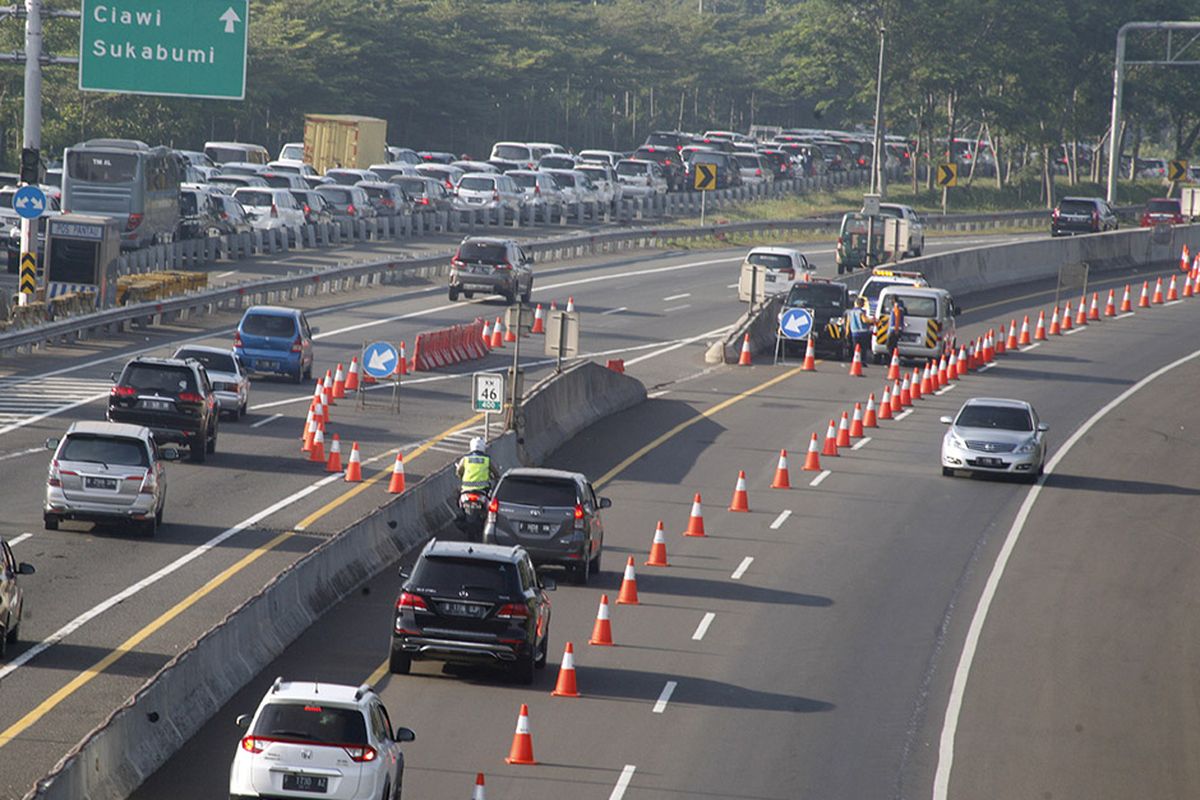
902	414
20	453
944	389
269	419
702	628
1029	347
654	395
16	540
986	367
677	308
618	791
825	473
742	567
732	286
861	443
941	780
1073	330
614	311
665	697
676	297
782	518
1123	316
677	345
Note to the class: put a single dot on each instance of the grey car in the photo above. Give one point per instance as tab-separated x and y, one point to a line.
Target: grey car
107	472
12	600
553	514
229	380
991	434
491	265
347	202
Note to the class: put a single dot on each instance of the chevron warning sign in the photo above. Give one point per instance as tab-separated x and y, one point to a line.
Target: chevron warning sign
947	175
1177	170
28	281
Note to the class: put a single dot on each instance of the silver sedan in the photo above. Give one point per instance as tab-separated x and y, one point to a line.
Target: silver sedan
229	380
995	435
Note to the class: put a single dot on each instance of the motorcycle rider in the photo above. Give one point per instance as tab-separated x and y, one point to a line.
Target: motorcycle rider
475	470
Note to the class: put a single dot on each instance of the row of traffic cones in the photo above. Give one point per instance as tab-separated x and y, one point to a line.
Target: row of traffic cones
317	419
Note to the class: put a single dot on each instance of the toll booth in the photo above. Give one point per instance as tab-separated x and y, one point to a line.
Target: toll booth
81	255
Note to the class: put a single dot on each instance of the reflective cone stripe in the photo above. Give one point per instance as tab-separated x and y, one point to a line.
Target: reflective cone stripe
497	336
339	383
989	347
658	549
856	367
1184	259
571	304
521	751
1144	302
352	375
396	483
830	448
1011	344
810	357
1081	313
1110	307
897	406
602	630
321	415
628	595
856	422
539	320
843	433
1055	329
740	501
744	359
1126	305
783	478
1172	291
334	464
885	404
402	361
478	794
926	386
1066	317
914	385
894	367
310	433
566	685
1158	293
939	372
870	420
812	461
1040	333
354	465
1094	308
317	453
695	519
905	393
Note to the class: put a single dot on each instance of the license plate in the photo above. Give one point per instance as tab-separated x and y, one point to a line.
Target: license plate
305	783
990	462
267	364
156	405
99	483
533	527
770	278
463	610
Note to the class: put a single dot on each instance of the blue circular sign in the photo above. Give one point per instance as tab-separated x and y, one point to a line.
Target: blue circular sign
29	202
796	323
380	359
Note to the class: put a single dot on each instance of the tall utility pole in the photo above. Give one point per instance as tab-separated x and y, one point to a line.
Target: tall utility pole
31	150
878	176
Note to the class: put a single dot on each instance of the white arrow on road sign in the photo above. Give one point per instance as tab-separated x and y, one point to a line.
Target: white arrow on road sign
796	323
380	359
229	18
28	202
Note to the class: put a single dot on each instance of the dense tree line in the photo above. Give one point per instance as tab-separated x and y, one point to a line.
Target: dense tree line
1026	75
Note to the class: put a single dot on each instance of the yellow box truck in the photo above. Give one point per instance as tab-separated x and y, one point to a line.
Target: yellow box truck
344	140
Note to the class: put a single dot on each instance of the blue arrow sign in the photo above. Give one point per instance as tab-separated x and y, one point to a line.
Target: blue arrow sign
796	323
380	359
29	202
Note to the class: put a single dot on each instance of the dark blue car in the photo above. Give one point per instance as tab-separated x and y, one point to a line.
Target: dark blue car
275	340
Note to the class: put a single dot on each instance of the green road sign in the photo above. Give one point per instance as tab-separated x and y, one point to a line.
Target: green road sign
164	47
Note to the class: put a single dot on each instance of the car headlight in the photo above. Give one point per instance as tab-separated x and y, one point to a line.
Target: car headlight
955	441
1028	446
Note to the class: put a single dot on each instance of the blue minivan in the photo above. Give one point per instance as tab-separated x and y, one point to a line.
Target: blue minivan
275	340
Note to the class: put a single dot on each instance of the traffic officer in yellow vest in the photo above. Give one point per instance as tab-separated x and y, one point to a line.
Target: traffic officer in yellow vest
475	470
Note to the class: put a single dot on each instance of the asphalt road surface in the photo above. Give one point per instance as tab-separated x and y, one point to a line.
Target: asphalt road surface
810	648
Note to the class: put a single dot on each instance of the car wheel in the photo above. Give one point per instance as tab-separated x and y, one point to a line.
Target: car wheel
150	527
308	372
595	566
3	646
509	296
50	521
523	670
241	411
947	472
15	630
210	444
399	663
197	452
468	295
453	293
527	294
299	376
582	572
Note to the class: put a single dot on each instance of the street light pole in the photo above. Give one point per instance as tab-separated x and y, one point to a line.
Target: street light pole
878	178
33	124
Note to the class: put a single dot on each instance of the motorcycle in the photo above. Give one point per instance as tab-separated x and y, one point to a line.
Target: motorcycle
472	513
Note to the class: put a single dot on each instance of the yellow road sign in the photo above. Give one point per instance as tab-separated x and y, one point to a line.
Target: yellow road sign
1177	170
28	282
705	177
947	175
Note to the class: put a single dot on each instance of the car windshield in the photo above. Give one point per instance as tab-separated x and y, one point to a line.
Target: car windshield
268	325
914	306
443	573
1163	207
770	260
594	174
530	491
512	152
556	162
630	168
563	180
104	450
1005	418
213	362
411	186
1076	207
708	157
342	196
376	192
814	295
476	184
311	722
158	377
747	160
277	181
187	204
890	211
253	198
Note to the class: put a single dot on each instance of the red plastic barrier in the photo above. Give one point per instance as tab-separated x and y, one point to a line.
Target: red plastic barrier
446	346
617	365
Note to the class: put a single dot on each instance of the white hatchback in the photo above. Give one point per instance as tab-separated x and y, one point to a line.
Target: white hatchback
772	270
319	740
271	209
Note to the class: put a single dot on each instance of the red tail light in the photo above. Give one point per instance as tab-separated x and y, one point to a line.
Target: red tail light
237	339
133	221
512	611
298	345
758	173
55	478
387	202
149	482
1096	219
413	601
224	215
505	265
424	201
307	209
537	190
790	273
449	184
361	754
578	511
1056	213
472	498
122	391
1146	220
274	210
351	210
190	397
493	506
253	744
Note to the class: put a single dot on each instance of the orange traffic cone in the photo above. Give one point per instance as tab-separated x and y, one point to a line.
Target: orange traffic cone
897	405
1187	285
914	385
885	403
1094	308
696	519
487	334
782	479
905	392
497	336
478	794
396	484
602	630
1158	293
334	464
339	383
1055	328
1144	302
830	448
553	306
1011	344
894	367
658	549
989	346
1184	259
1040	333
628	595
1110	307
744	358
1126	305
1172	292
1081	319
943	371
310	431
740	501
509	336
856	422
566	686
856	366
810	357
354	465
843	431
352	375
571	304
926	386
539	320
952	366
317	453
870	420
1066	318
402	361
812	462
521	751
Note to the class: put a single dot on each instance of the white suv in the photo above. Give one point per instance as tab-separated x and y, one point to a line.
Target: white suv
311	739
271	209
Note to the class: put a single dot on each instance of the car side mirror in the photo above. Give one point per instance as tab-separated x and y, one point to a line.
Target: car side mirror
605	502
548	584
242	721
314	331
947	420
405	735
1043	427
52	443
957	311
168	453
25	568
112	376
403	573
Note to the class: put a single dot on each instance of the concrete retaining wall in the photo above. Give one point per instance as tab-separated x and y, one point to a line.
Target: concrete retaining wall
140	736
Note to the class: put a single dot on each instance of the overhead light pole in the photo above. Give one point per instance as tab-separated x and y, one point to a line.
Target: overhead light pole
878	178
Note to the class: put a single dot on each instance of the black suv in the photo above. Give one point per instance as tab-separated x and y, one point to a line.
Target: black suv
473	604
173	398
1082	215
829	301
668	161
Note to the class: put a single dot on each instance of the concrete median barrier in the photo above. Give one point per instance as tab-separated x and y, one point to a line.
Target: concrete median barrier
137	738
